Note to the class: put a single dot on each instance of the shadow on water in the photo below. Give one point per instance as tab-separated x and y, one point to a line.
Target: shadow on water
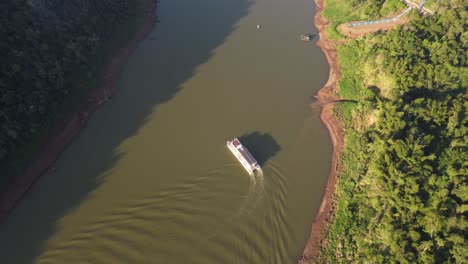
262	145
185	37
314	36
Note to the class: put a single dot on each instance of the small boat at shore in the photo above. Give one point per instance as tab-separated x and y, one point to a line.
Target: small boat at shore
243	155
306	37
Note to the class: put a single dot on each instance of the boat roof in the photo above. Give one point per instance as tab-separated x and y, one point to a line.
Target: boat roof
247	156
244	151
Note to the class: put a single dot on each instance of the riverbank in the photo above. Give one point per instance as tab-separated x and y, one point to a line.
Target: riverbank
64	136
390	126
326	97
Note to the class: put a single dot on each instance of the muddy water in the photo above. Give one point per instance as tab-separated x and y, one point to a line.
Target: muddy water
150	179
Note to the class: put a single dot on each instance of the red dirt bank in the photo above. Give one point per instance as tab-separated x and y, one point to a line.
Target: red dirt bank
77	121
326	97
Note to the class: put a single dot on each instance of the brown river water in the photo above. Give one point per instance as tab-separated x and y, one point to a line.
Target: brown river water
150	179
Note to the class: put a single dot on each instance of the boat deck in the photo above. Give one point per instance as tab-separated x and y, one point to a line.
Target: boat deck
244	152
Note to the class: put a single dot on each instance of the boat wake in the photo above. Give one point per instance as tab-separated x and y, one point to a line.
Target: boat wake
256	187
254	195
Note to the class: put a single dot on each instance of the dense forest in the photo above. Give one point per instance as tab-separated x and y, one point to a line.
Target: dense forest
402	195
47	49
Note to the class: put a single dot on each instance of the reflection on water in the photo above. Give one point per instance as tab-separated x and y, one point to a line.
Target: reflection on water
150	179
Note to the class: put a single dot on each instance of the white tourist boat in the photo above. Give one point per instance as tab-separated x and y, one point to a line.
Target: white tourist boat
242	154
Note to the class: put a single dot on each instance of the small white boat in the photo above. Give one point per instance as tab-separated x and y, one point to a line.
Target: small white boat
258	26
242	154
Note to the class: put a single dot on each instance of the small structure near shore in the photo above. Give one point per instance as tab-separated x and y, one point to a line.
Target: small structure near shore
306	37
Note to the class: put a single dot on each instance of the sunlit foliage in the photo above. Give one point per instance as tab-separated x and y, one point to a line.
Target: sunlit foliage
403	193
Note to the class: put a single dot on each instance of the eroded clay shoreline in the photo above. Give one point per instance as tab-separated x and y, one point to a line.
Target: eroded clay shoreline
326	97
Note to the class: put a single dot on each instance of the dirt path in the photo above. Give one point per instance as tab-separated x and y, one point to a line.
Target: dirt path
326	97
77	121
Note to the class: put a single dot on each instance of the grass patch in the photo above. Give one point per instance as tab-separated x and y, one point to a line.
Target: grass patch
352	57
83	82
351	166
348	89
344	111
349	57
333	33
339	12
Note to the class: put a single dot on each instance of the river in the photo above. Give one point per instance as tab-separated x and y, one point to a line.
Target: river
150	179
